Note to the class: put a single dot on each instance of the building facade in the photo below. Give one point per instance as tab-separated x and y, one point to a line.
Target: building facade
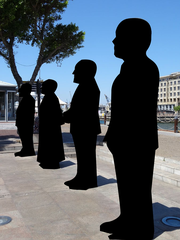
7	101
169	92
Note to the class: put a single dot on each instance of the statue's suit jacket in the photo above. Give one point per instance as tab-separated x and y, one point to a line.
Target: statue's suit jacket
134	107
83	113
25	112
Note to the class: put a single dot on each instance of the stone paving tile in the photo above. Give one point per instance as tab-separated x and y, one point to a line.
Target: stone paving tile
6	205
52	185
19	189
52	229
19	233
51	212
32	200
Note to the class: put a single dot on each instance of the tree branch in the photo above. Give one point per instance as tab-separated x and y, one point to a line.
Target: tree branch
13	63
6	44
4	56
52	54
38	65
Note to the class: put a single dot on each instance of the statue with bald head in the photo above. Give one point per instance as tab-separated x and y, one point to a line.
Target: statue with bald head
131	143
84	124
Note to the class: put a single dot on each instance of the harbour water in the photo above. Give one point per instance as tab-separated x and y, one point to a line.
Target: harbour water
163	126
167	126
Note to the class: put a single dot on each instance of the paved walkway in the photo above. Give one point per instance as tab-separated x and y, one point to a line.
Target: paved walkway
43	208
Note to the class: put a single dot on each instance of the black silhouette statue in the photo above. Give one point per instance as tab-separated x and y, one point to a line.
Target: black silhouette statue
50	151
84	124
25	121
133	140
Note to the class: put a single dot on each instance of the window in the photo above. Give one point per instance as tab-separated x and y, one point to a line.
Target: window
11	110
174	94
164	84
174	88
164	95
174	82
171	83
170	88
2	105
170	94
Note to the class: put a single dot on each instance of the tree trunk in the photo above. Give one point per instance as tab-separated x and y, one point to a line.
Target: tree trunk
35	73
37	68
13	67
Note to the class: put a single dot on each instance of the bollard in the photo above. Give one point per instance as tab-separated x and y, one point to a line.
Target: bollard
176	124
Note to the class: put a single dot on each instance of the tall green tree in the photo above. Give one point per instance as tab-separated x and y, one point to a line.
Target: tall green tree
37	22
177	109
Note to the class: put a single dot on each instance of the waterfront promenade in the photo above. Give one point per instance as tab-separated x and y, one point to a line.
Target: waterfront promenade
43	208
169	142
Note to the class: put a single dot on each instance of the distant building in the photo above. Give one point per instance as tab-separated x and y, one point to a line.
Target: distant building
169	92
7	101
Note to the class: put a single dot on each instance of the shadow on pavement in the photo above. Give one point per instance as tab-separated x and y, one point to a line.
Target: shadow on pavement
67	137
104	181
161	211
65	164
5	137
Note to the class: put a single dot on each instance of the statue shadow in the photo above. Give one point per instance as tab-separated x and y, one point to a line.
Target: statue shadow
67	137
6	137
104	181
66	163
6	140
161	211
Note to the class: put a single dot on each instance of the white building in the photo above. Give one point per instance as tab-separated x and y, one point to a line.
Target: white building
7	100
169	92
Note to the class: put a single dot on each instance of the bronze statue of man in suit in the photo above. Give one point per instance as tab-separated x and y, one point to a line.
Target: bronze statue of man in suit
133	140
25	121
84	124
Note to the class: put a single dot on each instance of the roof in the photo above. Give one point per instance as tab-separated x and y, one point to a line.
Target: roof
5	84
175	74
62	102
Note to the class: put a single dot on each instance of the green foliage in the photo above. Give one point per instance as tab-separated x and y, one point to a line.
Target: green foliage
14	20
177	108
37	22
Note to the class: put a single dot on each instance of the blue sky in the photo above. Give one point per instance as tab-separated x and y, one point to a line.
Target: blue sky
99	19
